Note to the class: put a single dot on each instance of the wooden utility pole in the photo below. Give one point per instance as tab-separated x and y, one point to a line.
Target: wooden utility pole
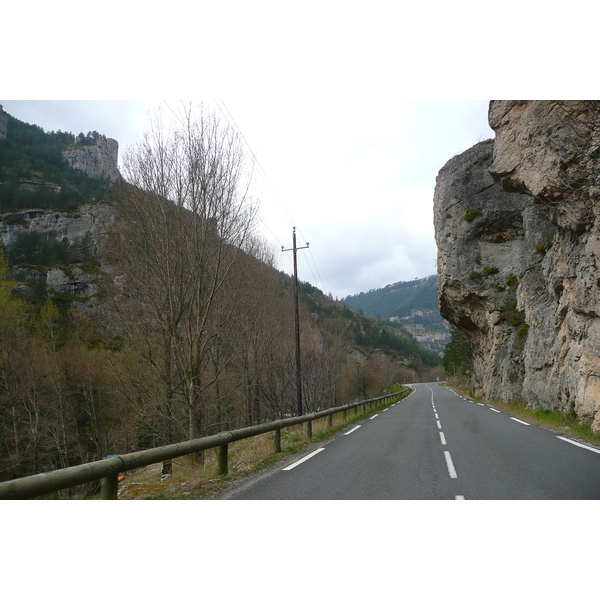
298	367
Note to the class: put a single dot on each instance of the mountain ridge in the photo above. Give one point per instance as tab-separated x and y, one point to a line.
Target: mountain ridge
412	304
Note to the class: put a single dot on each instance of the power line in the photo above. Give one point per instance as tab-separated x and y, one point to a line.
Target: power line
317	268
178	117
247	148
315	264
255	160
252	156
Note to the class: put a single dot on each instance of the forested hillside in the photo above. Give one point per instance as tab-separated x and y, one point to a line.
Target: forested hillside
34	173
397	299
187	327
413	304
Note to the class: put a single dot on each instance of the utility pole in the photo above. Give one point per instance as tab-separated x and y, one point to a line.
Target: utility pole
298	368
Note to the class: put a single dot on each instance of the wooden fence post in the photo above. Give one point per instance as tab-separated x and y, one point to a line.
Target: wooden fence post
277	440
110	487
330	421
309	428
223	466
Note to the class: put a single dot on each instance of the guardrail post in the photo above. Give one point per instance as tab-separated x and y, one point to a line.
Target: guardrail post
345	415
330	421
309	428
223	466
277	440
110	487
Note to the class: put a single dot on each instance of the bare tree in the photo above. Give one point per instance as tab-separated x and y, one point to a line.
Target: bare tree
181	222
265	329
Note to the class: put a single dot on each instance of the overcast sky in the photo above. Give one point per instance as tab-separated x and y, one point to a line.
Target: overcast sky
355	176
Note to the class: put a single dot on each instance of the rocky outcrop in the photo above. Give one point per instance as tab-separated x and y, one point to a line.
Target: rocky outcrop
3	123
56	225
517	229
77	283
99	160
74	282
34	182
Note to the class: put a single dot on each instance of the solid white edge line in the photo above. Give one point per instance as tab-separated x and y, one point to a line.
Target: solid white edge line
564	439
443	438
519	421
349	432
451	469
302	460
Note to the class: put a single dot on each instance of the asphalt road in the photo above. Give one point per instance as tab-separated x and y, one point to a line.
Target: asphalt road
436	445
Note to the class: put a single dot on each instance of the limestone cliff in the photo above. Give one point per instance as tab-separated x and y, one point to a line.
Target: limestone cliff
55	226
98	160
3	123
517	228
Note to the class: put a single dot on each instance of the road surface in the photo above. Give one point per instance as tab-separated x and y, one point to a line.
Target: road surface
436	445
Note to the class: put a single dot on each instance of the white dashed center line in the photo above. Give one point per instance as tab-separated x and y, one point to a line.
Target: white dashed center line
442	438
450	465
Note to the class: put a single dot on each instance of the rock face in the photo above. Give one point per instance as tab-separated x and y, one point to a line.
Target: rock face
98	161
3	123
517	228
74	282
56	225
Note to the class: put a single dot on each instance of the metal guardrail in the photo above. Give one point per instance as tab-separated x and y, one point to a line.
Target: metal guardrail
108	469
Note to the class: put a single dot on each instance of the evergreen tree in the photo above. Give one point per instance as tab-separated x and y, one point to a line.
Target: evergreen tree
458	353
